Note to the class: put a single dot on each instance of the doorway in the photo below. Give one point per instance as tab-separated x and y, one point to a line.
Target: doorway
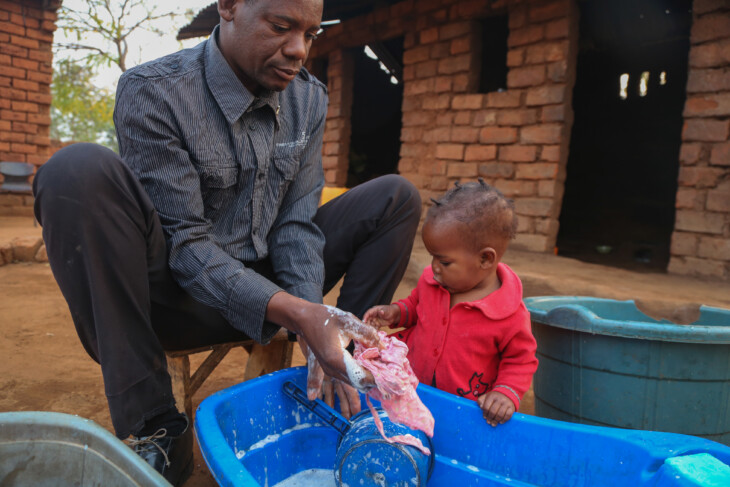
376	111
619	202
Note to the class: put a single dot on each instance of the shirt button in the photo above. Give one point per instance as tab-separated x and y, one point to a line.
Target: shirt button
252	127
261	176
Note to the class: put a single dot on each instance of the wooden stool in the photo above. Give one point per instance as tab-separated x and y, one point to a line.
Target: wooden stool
262	359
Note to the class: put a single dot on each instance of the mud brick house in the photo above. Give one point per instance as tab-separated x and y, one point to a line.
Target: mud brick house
607	121
26	36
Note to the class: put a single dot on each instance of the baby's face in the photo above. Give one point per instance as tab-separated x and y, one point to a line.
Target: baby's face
455	263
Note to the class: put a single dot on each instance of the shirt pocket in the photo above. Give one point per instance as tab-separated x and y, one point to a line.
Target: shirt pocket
286	169
218	183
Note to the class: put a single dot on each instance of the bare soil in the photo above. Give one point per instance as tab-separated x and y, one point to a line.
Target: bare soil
46	369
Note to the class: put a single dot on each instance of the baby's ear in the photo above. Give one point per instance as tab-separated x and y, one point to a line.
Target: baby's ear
488	257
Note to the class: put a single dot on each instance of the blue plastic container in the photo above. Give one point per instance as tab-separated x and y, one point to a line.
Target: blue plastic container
254	435
604	362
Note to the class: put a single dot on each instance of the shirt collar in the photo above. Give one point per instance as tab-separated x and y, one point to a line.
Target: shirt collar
500	304
232	97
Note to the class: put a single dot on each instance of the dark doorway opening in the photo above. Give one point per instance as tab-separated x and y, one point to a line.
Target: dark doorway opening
376	112
621	184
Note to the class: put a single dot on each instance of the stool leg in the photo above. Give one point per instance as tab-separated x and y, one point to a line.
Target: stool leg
268	358
179	370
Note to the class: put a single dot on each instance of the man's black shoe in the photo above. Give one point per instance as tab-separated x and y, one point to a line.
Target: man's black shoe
172	456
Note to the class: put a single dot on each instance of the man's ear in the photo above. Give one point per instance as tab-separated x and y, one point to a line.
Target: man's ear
488	257
226	8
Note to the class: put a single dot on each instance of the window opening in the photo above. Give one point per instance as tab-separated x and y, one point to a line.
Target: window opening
493	72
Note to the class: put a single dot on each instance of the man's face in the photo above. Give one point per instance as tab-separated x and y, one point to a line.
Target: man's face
266	42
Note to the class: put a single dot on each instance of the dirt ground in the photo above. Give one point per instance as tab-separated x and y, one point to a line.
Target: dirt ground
46	369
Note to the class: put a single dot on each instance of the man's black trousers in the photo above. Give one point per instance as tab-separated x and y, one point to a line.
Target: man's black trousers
108	254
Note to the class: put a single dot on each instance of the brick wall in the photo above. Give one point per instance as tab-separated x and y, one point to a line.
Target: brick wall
516	139
26	35
701	238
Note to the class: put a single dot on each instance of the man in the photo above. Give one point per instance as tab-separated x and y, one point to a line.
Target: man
207	230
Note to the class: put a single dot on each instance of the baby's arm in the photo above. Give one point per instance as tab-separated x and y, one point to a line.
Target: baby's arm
383	315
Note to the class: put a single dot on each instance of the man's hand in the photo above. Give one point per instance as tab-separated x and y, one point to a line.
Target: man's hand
326	331
383	315
496	407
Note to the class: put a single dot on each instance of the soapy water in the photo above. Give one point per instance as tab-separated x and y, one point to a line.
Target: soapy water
314	477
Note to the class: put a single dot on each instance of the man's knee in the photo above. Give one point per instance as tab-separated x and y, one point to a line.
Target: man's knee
74	170
404	193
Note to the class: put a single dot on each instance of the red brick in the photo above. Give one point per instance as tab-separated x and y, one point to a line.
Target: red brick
699	177
462	170
547	52
706	130
534	206
699	221
12	29
436	102
696	267
553	113
517	117
684	243
708	105
13	50
25	64
416	55
418	87
709	27
428	36
720	154
704	80
525	35
23	148
545	95
454	64
498	135
557	29
718	201
426	69
467	135
13	94
44	78
48	26
460	45
517	17
445	119
526	76
714	248
504	99
711	55
541	134
5	60
515	188
16	73
442	84
689	198
537	170
467	102
557	71
518	153
45	56
5	104
450	151
484	117
440	50
13	116
39	119
515	57
690	153
457	29
533	243
22	41
438	134
439	183
550	153
480	153
12	137
546	188
25	21
463	117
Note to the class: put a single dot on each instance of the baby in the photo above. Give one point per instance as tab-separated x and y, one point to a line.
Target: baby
467	330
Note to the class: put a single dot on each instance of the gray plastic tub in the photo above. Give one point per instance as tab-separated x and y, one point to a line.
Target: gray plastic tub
53	449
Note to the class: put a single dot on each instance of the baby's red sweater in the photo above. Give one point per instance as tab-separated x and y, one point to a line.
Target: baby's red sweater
474	347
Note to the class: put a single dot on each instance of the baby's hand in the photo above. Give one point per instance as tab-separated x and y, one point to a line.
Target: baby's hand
496	407
382	316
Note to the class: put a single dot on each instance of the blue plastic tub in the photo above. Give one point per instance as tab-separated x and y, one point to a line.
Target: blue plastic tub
604	362
254	435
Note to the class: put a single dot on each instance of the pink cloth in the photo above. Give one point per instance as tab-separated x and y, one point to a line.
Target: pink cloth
395	387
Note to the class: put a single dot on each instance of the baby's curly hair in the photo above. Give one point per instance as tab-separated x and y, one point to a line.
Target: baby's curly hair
486	212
